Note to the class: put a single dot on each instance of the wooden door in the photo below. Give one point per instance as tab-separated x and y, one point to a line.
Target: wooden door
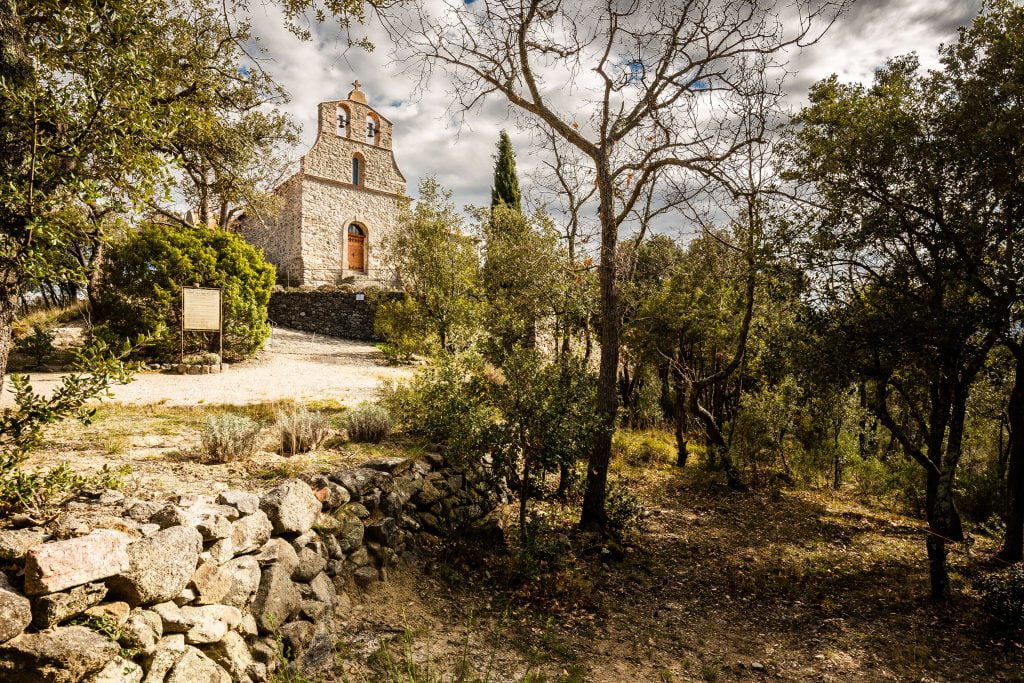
356	252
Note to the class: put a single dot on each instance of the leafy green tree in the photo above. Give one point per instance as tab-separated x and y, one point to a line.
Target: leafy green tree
672	114
903	219
506	180
435	263
980	85
402	324
522	277
546	420
88	90
647	264
531	414
704	308
145	271
235	148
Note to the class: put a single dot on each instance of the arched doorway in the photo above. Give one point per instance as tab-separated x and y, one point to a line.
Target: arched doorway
356	248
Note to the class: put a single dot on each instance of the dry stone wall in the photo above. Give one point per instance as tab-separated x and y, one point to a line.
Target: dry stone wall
203	588
335	314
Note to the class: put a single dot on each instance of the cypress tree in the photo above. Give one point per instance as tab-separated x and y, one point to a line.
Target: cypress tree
506	180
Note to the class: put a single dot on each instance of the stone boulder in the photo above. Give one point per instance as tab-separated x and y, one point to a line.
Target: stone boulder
15	614
50	610
63	655
211	583
320	589
201	625
310	563
232	654
250	533
277	599
246	503
14	543
310	645
194	667
142	631
365	577
278	551
330	493
52	567
291	507
212	521
160	567
245	579
119	670
168	651
392	465
350	536
361	480
384	531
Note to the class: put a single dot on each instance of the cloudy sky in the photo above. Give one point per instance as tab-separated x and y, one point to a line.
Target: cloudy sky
429	139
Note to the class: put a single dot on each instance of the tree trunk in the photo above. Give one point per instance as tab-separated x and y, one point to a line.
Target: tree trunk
837	470
95	282
943	519
679	423
1013	541
524	495
8	307
593	516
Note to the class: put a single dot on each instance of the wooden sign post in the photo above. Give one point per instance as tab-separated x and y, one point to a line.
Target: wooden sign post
202	310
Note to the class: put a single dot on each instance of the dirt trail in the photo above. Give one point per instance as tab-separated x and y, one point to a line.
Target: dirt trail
294	365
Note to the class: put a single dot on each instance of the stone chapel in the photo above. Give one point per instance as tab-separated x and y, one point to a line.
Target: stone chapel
345	197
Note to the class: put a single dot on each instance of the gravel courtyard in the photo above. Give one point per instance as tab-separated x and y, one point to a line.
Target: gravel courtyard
293	365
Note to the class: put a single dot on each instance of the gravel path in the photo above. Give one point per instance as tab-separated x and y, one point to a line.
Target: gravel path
294	365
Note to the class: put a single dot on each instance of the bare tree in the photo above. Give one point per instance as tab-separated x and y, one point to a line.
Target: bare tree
643	90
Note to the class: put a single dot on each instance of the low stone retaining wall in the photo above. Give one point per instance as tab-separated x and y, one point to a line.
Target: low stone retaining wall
201	589
335	314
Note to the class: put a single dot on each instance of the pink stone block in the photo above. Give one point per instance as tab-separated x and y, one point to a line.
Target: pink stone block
52	567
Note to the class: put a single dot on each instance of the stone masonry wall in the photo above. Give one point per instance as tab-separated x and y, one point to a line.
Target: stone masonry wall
198	589
280	236
331	154
327	210
335	314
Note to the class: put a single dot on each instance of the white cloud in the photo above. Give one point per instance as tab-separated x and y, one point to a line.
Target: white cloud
431	138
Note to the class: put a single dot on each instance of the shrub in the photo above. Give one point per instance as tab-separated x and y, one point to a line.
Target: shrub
22	425
643	448
647	410
445	403
302	430
531	415
1002	596
368	423
230	437
622	507
37	345
402	325
144	272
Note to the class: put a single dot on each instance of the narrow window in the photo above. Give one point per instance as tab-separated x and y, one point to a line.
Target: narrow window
355	171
